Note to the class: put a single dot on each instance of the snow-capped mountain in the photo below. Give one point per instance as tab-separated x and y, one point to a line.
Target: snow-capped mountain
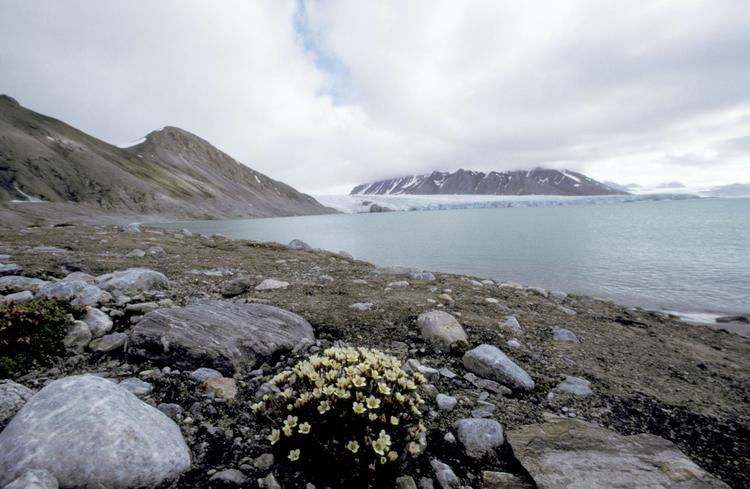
464	182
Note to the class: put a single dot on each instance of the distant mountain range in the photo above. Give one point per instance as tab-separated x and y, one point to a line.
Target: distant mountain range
464	182
170	173
731	190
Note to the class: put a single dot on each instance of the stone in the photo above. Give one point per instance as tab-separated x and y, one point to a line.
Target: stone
156	251
203	374
9	269
221	387
141	307
575	386
172	410
513	343
426	483
447	373
425	276
563	335
230	477
479	436
271	284
446	402
238	286
136	386
502	480
266	388
52	250
85	277
18	283
298	244
441	330
222	335
345	254
399	284
186	232
733	319
564	453
81	292
539	290
405	482
34	479
484	409
78	337
136	253
511	325
270	482
557	295
19	297
88	432
566	310
108	343
132	228
12	398
133	281
98	322
445	475
361	306
264	461
489	362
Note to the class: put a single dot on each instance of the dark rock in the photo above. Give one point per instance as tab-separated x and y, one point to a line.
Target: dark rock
733	319
223	335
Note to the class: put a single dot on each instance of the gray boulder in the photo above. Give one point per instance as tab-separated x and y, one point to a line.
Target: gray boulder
18	283
479	436
441	330
133	281
347	255
563	453
89	279
12	398
78	337
298	244
422	275
19	297
90	433
238	286
563	335
136	386
446	402
108	343
81	292
9	269
489	362
271	284
203	374
445	475
34	479
98	322
222	335
575	386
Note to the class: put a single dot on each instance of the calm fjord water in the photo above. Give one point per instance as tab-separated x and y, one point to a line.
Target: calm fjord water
688	256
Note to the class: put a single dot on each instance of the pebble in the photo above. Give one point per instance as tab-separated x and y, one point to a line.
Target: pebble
446	402
136	386
230	476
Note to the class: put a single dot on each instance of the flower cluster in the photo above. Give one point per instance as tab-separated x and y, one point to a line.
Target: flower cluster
346	403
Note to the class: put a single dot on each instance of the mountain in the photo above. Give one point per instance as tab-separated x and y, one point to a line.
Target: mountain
671	185
621	188
731	190
170	173
463	182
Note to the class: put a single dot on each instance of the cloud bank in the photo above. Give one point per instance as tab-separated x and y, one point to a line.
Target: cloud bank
326	94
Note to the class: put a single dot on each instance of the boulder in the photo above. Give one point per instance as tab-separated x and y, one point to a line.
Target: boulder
238	286
19	297
9	269
90	433
78	337
347	255
422	275
502	480
441	330
18	283
89	279
489	362
479	436
563	335
34	479
136	386
203	374
271	284
511	325
12	398
298	244
133	281
98	322
446	402
81	292
222	335
733	319
563	453
445	475
108	343
575	386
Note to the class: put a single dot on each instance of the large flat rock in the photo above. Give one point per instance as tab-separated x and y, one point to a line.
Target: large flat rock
223	335
90	433
565	453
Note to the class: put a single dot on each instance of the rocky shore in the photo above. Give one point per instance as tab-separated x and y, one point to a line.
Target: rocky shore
172	337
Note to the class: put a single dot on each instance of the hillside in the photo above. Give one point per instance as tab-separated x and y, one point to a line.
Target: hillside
464	182
171	174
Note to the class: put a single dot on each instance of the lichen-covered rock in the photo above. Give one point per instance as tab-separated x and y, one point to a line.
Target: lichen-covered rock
441	330
12	398
90	433
133	281
222	335
489	362
563	453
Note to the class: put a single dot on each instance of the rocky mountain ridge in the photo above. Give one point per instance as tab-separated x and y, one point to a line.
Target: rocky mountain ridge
46	164
538	181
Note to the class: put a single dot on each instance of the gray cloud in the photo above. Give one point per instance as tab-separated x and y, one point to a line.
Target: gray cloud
340	92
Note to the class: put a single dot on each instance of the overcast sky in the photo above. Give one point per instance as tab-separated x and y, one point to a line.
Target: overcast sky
327	94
